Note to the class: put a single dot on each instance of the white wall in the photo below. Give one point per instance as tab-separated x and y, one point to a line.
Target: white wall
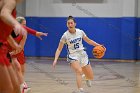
129	8
138	8
80	8
21	8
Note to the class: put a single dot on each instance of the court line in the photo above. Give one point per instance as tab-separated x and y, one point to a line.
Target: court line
58	80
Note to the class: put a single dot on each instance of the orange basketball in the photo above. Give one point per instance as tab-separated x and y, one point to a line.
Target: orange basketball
99	51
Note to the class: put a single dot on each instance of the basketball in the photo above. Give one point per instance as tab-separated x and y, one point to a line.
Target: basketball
99	51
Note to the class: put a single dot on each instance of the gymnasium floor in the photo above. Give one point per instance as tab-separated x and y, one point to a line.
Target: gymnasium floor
110	77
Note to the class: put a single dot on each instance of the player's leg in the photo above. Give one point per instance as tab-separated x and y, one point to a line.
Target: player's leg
21	61
88	72
17	68
23	68
88	75
5	81
78	71
86	68
14	79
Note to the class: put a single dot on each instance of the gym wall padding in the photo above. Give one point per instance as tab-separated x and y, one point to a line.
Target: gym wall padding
119	35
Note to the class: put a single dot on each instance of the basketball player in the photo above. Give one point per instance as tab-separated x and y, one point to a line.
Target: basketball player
8	81
18	58
22	21
76	56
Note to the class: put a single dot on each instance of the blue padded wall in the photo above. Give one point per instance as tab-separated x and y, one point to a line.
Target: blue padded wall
118	35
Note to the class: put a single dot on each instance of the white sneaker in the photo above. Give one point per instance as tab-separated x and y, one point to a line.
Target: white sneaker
79	91
88	82
26	90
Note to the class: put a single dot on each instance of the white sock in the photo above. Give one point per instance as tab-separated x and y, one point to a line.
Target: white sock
25	85
83	75
21	87
81	89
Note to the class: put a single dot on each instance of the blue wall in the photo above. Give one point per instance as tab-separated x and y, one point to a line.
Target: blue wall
138	44
119	35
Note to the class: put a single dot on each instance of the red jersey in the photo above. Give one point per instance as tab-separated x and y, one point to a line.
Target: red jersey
5	29
20	56
30	31
18	38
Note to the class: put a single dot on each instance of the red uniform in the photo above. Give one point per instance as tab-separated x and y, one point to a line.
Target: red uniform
20	56
5	31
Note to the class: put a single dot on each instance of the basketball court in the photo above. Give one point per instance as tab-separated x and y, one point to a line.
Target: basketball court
110	76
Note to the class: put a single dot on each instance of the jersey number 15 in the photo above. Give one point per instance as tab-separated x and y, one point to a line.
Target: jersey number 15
76	45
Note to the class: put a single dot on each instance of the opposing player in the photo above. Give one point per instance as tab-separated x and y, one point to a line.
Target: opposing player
8	81
18	58
76	55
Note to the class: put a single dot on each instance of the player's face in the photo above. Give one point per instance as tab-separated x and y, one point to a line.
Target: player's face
71	24
23	22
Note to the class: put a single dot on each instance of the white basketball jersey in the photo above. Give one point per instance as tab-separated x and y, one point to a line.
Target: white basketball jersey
73	41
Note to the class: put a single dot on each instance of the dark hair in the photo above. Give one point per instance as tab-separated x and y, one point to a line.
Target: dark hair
72	18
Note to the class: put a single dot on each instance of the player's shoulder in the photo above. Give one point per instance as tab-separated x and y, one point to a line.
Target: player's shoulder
66	32
79	30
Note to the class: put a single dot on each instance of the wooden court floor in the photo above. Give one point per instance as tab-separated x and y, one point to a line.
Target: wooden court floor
109	77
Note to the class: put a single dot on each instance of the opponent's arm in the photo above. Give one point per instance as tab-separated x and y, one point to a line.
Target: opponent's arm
6	16
12	43
23	41
30	31
34	32
7	9
39	34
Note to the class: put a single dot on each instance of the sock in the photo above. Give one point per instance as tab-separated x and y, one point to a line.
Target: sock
21	87
81	89
83	75
25	85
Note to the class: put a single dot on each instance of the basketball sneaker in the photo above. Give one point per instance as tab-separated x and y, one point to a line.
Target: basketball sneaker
80	91
26	90
88	82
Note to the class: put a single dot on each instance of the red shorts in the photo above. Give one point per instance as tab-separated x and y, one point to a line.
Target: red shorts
20	57
3	55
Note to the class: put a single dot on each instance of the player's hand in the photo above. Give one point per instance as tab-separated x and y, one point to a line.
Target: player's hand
18	50
103	46
39	34
54	64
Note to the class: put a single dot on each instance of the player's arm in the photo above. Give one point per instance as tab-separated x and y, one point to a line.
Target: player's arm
6	11
30	31
89	41
39	34
34	32
21	44
23	41
58	51
12	43
5	15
